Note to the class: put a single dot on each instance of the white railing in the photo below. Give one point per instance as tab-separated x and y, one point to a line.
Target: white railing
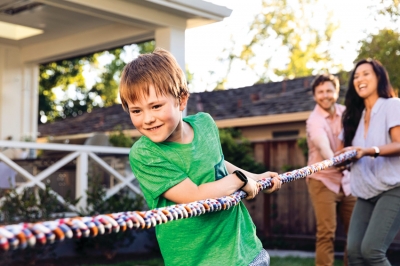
82	153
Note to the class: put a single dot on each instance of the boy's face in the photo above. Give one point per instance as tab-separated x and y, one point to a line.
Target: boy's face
158	117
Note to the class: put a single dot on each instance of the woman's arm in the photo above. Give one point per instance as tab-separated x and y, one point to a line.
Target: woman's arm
390	149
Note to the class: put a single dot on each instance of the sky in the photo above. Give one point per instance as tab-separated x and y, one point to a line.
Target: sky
205	44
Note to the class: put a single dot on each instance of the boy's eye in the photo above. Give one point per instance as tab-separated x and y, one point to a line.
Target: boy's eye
135	111
156	106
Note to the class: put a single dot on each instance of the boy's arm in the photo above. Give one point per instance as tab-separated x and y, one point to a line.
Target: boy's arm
187	191
275	177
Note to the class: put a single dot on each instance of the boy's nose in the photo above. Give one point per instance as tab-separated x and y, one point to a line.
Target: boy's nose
149	118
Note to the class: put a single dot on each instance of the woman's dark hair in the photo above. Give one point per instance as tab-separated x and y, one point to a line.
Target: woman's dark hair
355	104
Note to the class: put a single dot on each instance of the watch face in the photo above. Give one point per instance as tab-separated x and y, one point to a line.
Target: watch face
377	151
240	175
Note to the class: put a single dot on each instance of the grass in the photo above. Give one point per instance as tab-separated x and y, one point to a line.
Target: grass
275	261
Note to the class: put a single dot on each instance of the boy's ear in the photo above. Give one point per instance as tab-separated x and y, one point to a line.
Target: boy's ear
183	100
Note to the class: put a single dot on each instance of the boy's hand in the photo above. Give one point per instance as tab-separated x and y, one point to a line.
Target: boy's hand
265	175
251	188
277	184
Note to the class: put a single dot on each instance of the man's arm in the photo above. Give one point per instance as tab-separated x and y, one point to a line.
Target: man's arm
321	142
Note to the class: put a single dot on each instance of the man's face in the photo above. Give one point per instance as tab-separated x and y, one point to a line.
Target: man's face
325	95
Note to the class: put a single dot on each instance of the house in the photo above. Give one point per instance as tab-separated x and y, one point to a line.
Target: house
271	116
39	31
33	32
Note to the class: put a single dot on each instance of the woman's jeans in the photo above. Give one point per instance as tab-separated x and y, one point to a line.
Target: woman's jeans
373	226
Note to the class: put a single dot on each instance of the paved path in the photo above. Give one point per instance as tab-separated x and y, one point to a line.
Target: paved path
296	253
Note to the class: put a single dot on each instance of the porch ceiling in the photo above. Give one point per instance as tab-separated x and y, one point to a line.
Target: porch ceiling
62	18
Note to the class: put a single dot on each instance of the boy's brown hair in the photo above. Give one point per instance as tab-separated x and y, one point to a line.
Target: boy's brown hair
320	79
159	69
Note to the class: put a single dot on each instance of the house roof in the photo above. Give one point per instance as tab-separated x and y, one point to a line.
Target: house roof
286	97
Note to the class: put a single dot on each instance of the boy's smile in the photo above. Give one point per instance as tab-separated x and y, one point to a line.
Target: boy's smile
159	117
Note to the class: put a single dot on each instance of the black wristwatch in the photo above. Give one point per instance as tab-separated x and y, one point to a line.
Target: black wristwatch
242	177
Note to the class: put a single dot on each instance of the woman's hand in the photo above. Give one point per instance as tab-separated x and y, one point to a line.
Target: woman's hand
361	152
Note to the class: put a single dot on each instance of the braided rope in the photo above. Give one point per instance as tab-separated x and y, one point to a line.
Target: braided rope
28	234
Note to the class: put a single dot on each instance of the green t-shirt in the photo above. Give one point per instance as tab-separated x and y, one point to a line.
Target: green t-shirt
218	238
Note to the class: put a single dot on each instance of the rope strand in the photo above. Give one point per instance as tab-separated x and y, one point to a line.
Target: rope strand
23	235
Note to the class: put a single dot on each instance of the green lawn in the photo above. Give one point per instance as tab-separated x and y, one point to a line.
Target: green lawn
275	261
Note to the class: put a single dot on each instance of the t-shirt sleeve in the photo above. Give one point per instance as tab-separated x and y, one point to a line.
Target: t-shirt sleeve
393	108
154	172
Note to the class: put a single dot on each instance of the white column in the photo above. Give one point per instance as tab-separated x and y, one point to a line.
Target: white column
81	182
30	101
11	84
173	40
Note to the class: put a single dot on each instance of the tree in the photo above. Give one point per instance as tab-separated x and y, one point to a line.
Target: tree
388	8
288	26
67	77
385	47
62	74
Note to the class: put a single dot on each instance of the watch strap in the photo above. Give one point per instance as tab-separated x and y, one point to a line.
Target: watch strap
242	177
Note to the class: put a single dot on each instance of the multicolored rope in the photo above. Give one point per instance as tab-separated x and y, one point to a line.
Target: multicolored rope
28	234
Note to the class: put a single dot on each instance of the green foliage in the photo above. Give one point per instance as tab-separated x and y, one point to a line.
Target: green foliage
119	139
284	24
67	75
97	203
387	8
63	74
385	47
31	205
302	143
238	151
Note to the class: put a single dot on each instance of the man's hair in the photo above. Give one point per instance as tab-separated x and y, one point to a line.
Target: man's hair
159	69
320	79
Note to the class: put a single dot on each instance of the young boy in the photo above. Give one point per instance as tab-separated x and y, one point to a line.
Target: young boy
179	160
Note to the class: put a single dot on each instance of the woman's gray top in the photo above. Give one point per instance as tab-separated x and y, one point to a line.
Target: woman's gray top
371	176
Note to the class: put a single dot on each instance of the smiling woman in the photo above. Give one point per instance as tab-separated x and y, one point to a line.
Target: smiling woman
372	127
